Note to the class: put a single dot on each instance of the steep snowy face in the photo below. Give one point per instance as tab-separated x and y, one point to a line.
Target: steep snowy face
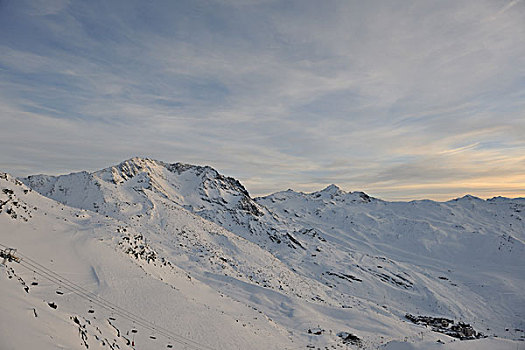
119	188
188	185
131	188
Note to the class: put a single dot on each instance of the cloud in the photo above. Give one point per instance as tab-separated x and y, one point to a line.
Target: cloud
505	8
42	7
370	95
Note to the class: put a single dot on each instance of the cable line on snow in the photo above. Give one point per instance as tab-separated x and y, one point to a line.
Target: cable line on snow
54	277
117	310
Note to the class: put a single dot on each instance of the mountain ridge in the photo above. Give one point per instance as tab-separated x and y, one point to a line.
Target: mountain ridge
138	163
322	250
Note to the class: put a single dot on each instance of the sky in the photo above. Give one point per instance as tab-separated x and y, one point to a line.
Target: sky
400	99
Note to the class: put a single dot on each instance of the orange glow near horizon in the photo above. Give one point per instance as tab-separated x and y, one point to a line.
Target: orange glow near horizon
512	187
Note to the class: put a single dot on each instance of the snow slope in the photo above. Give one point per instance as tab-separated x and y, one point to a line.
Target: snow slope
464	258
176	288
289	270
91	251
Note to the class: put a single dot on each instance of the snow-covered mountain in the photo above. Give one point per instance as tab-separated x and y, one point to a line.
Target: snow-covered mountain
89	281
421	256
129	188
289	270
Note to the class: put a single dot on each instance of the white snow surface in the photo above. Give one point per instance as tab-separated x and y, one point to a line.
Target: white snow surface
190	260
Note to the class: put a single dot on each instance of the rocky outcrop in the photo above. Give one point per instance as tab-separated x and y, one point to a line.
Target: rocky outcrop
461	330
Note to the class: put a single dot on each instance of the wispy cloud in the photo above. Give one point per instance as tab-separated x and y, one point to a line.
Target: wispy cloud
400	99
505	8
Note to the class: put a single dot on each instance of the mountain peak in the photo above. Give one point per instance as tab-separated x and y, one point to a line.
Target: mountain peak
128	169
200	170
331	189
139	161
467	197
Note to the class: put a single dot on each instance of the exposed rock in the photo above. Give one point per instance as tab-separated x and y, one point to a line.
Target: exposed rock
463	331
349	338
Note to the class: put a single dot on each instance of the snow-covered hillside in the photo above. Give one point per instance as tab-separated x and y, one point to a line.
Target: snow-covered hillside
89	280
464	258
191	252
